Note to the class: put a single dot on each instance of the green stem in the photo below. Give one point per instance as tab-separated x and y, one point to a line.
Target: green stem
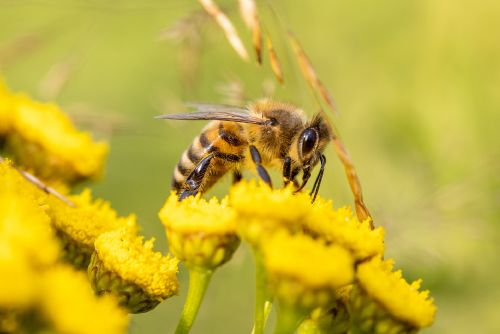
289	319
198	282
263	301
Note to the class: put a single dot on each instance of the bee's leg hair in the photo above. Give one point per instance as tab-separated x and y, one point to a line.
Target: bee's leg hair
264	175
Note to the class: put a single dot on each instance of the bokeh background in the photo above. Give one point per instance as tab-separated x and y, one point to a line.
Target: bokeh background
416	82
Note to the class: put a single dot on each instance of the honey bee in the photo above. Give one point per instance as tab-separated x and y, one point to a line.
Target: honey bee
266	134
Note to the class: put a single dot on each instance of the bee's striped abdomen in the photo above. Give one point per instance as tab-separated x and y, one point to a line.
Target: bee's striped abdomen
190	158
221	138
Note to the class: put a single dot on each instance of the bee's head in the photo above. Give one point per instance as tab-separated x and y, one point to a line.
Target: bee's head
312	141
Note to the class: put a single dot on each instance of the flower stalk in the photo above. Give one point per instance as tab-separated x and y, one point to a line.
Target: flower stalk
263	300
199	278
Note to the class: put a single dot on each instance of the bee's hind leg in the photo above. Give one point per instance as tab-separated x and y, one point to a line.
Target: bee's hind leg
194	180
197	176
264	175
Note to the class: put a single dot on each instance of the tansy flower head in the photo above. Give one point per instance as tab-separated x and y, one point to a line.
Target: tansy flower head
304	272
78	227
25	232
262	210
128	267
200	233
340	226
384	302
70	306
42	138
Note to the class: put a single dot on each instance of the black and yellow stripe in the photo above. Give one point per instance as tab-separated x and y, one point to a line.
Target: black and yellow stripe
225	140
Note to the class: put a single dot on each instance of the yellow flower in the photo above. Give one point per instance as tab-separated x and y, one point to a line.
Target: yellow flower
78	227
124	265
200	233
42	138
17	284
305	272
70	306
383	300
262	210
25	232
341	227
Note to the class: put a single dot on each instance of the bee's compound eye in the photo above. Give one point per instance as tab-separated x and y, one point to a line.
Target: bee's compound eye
308	141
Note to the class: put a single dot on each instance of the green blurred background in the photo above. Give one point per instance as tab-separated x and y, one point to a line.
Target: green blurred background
417	84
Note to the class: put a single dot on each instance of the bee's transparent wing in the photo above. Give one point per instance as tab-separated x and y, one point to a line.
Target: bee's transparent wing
219	112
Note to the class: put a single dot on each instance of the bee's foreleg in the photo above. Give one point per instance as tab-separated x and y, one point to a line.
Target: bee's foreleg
287	170
319	178
264	175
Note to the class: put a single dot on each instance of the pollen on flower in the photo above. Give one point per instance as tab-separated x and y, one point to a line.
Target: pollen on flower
200	233
124	253
55	150
197	215
70	306
309	261
255	199
87	220
341	227
78	227
404	301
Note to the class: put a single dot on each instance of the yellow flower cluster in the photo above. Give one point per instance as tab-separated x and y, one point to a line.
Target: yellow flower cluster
200	233
312	262
23	221
42	138
123	252
304	272
79	226
342	227
394	294
262	210
34	288
68	302
315	258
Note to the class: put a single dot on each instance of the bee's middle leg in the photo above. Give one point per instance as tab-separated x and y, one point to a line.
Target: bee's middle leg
264	175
